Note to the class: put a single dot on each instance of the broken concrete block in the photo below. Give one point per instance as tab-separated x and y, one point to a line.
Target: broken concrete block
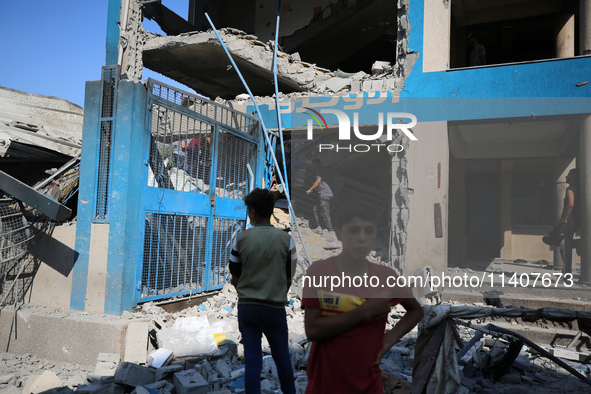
223	369
366	86
160	387
76	380
163	372
106	364
159	357
190	382
269	366
95	388
379	67
206	371
301	382
297	353
320	81
355	86
38	383
230	345
295	57
134	375
359	75
389	84
377	85
335	84
237	372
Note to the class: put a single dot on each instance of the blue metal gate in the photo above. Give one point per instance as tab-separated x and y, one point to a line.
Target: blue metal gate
202	158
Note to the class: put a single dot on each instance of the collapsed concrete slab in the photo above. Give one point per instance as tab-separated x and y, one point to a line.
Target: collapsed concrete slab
48	128
199	61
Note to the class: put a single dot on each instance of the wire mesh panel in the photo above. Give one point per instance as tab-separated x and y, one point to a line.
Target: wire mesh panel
236	165
15	233
174	254
109	87
180	151
224	231
15	239
207	108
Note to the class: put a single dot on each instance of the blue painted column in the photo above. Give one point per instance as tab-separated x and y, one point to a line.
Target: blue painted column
112	42
125	245
87	193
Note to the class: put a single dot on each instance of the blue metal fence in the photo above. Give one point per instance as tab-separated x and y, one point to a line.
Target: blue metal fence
202	158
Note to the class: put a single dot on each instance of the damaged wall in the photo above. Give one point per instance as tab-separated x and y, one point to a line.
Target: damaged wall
428	166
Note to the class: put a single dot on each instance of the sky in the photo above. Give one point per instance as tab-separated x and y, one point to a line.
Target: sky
52	47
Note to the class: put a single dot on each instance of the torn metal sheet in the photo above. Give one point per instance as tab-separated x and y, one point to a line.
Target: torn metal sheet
33	198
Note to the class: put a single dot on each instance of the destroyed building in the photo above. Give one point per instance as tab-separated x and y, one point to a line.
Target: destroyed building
493	140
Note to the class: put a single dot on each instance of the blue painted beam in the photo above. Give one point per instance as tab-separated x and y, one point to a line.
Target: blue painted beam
44	204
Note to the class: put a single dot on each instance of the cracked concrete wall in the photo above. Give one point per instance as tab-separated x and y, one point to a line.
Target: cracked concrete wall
427	170
132	40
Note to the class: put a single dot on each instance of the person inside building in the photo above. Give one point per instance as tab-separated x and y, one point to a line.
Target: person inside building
569	220
477	51
345	321
262	264
323	195
199	158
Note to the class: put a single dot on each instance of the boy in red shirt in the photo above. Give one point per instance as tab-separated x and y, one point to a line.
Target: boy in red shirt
347	300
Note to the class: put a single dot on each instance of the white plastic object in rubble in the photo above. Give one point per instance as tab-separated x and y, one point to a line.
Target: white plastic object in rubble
158	357
188	336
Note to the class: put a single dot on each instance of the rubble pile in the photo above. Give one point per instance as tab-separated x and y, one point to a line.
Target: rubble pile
20	373
488	368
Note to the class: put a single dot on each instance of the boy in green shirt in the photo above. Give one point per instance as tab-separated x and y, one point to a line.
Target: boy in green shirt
262	264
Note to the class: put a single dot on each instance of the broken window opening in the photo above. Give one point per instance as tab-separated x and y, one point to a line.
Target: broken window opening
513	33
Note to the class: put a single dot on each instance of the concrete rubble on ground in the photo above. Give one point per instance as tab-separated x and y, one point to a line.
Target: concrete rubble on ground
221	370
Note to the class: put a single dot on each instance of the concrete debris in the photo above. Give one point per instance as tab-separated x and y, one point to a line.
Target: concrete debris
39	383
280	219
159	357
380	67
42	121
190	382
134	375
136	342
167	371
107	364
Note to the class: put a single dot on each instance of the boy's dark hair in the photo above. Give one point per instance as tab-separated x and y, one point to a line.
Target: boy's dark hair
262	201
345	212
